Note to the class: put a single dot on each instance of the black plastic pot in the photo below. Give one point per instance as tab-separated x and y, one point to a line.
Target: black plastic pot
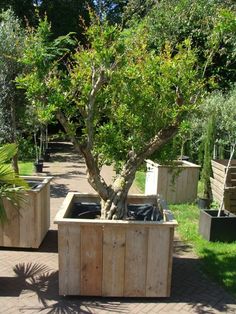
38	167
203	203
213	228
46	156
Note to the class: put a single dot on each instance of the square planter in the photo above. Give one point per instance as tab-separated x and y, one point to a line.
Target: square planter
214	228
113	258
176	183
27	227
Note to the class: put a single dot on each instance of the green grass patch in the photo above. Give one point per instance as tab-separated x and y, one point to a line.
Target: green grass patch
140	180
218	259
26	168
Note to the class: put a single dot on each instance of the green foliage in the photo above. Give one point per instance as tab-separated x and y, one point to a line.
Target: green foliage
10	183
67	16
209	24
26	149
208	149
26	168
124	116
11	47
23	9
218	259
220	107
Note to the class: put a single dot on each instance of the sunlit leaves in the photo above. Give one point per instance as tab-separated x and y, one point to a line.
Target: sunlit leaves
10	183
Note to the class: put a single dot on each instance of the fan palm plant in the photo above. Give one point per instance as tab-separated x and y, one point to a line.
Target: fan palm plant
11	184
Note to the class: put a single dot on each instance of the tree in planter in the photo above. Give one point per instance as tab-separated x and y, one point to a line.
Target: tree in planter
118	101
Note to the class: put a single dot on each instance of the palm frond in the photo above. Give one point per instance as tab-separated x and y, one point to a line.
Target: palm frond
11	185
7	151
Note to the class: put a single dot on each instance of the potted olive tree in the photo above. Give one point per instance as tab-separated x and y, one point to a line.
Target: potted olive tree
218	224
119	102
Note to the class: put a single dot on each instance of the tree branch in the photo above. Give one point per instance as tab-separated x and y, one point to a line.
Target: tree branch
160	139
93	172
96	85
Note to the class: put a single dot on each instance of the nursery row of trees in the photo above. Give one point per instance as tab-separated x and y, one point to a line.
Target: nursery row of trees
136	79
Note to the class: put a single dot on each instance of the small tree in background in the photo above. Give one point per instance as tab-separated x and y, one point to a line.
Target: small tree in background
11	99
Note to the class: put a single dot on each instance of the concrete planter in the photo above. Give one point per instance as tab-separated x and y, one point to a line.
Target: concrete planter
214	228
176	183
113	258
27	227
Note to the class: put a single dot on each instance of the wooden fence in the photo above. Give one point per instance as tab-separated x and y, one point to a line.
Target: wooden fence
217	184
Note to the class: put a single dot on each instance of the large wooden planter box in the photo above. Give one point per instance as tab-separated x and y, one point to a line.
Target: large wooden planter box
214	228
217	184
27	227
176	183
113	258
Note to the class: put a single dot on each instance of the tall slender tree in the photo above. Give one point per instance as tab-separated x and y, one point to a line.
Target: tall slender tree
11	47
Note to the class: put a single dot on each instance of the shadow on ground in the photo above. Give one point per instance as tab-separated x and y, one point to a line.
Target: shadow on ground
58	190
40	280
63	152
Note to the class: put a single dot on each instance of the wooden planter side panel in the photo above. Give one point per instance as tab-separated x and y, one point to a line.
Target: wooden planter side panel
217	184
43	213
91	241
176	185
27	226
159	262
69	259
115	260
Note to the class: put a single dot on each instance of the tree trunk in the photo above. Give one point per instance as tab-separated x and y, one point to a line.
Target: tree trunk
13	134
115	207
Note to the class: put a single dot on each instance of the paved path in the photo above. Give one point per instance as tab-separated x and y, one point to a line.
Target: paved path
192	292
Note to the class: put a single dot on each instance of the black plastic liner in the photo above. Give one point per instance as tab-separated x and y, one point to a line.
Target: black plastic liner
140	212
33	184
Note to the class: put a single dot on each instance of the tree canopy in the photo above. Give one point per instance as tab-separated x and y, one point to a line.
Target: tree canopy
117	100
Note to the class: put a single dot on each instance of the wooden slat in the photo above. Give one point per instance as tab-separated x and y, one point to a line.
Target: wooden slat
135	261
219	178
157	262
218	172
11	228
162	179
217	185
113	261
91	260
216	197
69	259
28	229
219	164
191	184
